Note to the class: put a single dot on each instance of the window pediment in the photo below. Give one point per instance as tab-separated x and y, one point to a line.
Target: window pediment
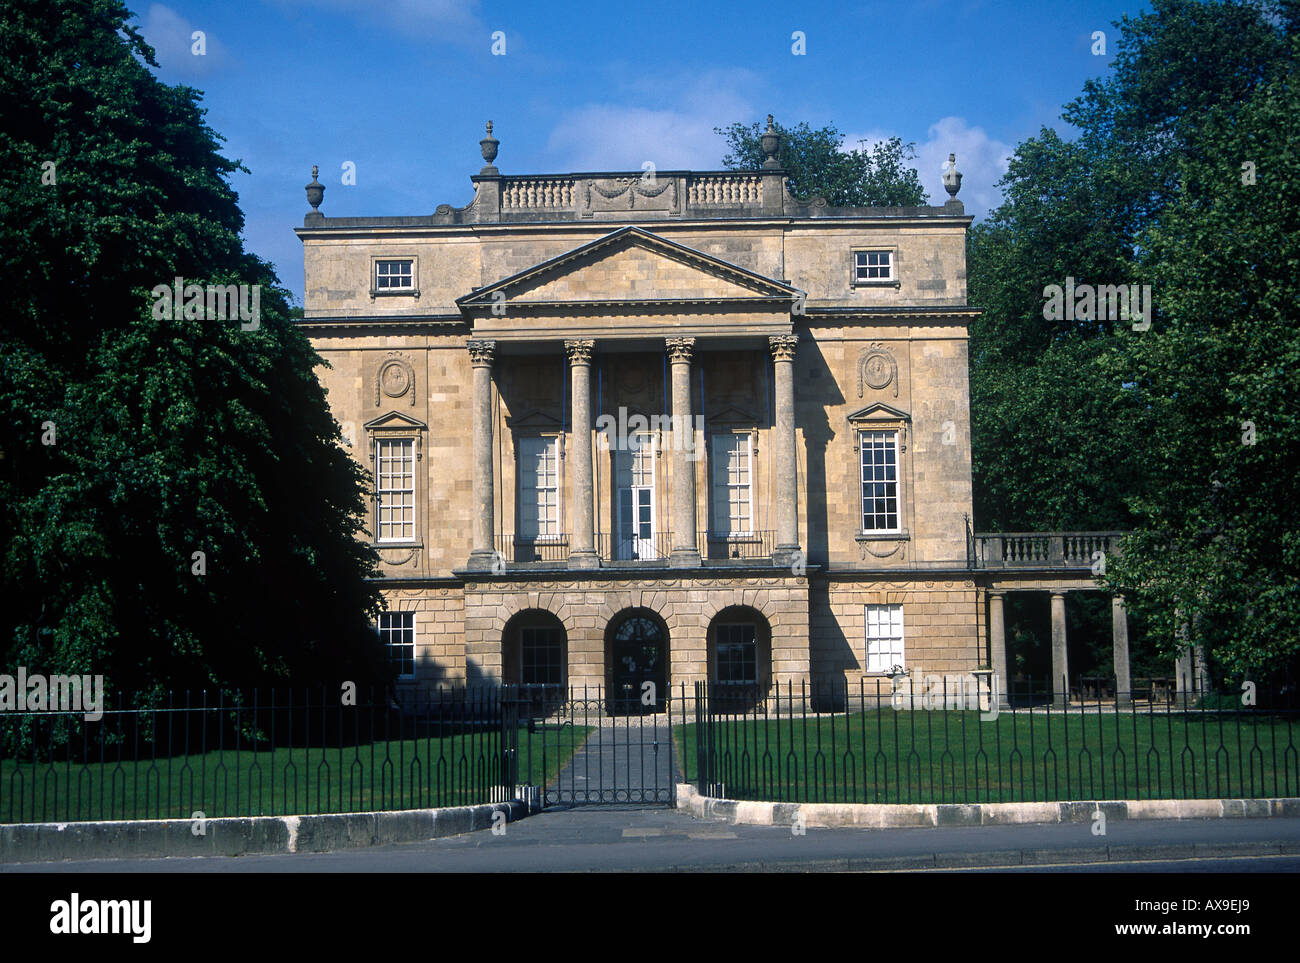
535	421
394	424
881	417
879	413
731	417
395	420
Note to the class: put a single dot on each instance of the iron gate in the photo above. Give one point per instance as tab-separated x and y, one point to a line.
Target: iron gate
586	746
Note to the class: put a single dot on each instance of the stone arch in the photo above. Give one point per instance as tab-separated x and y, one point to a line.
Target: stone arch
732	598
614	604
510	606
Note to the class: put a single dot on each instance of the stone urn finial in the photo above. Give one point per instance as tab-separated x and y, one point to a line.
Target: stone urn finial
489	145
771	142
315	190
952	177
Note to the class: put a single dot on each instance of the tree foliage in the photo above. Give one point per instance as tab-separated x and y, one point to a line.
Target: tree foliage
170	437
1218	546
1093	424
816	164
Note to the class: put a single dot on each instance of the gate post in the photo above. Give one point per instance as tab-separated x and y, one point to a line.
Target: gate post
703	739
509	705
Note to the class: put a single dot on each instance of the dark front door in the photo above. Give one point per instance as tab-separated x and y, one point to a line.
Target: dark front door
638	654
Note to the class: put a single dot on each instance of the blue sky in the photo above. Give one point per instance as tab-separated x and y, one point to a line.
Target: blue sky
402	88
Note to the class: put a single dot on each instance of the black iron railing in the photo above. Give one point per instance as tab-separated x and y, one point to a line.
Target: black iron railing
266	753
940	741
200	756
520	548
755	545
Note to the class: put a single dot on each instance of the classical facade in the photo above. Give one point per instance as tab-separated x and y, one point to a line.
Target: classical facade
658	426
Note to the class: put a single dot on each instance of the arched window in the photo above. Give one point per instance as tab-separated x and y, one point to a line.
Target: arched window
740	657
535	654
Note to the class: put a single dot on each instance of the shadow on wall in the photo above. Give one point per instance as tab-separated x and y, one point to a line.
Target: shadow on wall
814	377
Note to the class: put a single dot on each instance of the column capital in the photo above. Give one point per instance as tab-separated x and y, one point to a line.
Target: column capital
481	353
783	346
579	351
680	349
997	593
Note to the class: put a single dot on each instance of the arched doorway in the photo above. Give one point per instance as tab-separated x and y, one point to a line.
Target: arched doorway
636	653
535	656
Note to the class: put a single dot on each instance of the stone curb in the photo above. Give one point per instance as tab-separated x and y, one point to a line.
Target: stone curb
242	836
904	816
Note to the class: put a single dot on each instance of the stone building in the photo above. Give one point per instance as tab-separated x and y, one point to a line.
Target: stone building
658	426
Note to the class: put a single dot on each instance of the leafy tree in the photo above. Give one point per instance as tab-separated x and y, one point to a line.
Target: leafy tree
1218	546
1091	424
132	439
817	165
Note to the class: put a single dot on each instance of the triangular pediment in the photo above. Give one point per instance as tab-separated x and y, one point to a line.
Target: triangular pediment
879	412
538	420
631	266
395	419
731	416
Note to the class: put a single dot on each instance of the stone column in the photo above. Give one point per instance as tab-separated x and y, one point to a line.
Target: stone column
582	550
483	556
998	645
1119	637
1060	662
685	550
786	550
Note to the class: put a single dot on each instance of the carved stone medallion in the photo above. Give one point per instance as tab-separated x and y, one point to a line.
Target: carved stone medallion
877	370
396	378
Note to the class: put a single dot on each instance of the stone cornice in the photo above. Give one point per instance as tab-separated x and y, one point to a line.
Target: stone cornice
958	314
359	227
561	576
453	324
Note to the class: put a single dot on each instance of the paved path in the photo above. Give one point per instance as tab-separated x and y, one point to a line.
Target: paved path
666	840
624	760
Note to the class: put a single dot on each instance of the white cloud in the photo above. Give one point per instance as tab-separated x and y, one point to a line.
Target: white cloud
623	136
981	159
172	38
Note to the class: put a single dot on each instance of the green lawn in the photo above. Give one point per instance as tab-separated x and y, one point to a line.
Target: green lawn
415	773
953	757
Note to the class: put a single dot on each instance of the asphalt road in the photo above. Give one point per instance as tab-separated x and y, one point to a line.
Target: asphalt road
638	839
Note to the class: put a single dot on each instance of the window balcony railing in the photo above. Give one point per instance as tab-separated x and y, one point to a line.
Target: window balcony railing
515	549
658	547
736	546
